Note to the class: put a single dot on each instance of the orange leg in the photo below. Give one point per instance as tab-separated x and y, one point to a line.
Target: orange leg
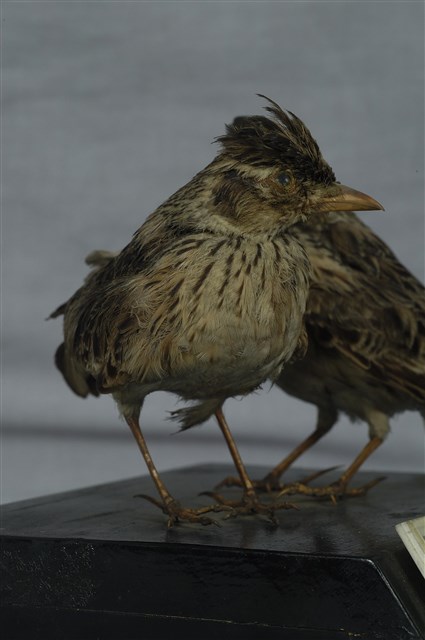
325	421
271	480
339	487
168	504
240	467
250	502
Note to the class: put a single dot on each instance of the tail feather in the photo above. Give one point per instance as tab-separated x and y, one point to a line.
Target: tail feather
81	382
99	258
197	413
58	312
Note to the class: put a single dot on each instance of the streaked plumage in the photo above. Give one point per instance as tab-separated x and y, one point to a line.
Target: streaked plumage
207	299
365	320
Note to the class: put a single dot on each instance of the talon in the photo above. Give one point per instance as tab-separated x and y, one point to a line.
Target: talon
335	490
266	485
232	513
206	521
210	494
317	474
229	481
295	487
248	505
177	513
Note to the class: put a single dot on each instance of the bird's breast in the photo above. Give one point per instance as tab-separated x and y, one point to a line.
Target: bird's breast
234	309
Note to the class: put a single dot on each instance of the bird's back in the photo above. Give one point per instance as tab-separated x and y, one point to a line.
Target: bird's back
365	321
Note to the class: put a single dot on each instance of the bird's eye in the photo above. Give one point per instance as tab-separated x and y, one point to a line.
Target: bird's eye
284	178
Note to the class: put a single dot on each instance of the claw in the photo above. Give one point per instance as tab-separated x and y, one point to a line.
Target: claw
269	484
176	512
317	474
154	501
248	505
335	490
229	481
361	491
264	485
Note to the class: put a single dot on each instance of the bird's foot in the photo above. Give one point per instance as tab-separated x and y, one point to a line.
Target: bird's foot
335	490
268	484
249	505
177	513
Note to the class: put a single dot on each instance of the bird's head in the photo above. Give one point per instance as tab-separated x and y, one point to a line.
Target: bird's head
270	174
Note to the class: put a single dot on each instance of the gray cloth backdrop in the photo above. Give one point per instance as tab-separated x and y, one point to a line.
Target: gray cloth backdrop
108	108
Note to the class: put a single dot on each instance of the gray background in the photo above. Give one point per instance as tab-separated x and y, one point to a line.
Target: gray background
108	108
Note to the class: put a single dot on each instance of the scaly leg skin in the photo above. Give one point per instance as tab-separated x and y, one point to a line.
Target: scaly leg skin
340	487
168	504
250	503
326	418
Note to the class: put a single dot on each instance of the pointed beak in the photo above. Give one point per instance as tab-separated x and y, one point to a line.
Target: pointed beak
343	198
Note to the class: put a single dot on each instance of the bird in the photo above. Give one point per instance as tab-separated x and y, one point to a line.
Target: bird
207	299
365	322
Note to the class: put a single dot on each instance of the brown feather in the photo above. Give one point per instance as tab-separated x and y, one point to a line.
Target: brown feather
365	319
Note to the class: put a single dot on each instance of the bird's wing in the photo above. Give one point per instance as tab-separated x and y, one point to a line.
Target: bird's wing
96	260
365	303
120	325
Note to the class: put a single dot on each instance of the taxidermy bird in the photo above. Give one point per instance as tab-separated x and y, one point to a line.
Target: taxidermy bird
207	300
365	321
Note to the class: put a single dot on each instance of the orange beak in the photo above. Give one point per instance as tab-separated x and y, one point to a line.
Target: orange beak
343	198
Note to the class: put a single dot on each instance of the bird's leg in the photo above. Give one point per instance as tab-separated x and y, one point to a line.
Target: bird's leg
250	502
325	421
168	504
339	488
358	461
271	481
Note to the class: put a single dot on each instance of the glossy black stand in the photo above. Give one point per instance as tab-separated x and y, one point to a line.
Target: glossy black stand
100	563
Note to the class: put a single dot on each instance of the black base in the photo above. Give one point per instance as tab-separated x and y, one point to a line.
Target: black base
100	563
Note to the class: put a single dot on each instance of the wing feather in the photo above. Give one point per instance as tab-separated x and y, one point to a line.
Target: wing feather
364	303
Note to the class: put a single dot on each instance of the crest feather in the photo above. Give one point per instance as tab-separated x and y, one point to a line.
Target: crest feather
281	140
